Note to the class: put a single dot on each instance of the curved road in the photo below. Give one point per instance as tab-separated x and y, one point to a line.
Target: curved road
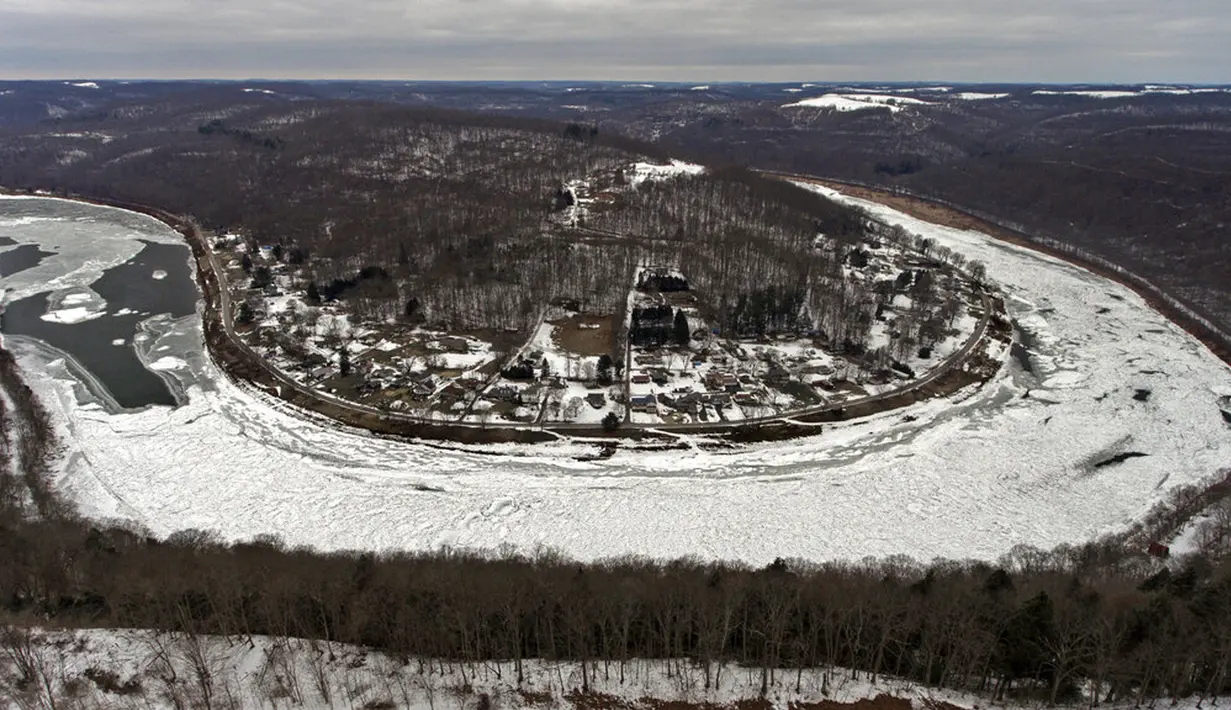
224	307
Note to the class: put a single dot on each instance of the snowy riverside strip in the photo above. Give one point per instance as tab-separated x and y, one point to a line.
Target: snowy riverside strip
1023	460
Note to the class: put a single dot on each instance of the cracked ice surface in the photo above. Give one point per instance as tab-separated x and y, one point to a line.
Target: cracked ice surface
970	476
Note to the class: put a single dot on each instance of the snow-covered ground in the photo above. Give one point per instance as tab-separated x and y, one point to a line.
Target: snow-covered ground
856	102
164	671
144	669
1123	93
1089	94
640	172
977	96
968	476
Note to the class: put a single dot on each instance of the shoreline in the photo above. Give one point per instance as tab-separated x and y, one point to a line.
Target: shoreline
236	361
947	215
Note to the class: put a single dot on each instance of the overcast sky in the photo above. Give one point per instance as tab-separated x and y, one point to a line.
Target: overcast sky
687	40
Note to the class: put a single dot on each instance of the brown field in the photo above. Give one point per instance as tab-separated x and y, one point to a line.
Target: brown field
599	341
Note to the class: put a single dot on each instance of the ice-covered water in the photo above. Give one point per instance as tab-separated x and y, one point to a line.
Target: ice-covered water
969	476
91	289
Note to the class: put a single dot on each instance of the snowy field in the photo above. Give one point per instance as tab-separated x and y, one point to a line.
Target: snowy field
970	476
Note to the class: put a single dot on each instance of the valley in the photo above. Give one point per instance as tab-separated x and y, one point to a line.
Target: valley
308	400
241	462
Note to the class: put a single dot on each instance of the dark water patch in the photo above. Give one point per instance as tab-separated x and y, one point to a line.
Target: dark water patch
128	287
90	343
1119	458
26	256
7	241
132	284
1142	395
1020	349
1022	356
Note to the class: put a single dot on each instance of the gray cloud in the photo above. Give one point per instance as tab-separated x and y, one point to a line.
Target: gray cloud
770	40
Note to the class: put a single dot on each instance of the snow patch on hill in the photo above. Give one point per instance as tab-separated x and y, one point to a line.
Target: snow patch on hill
857	102
650	171
977	96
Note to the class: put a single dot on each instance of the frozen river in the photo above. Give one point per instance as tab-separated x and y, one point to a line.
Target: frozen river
969	476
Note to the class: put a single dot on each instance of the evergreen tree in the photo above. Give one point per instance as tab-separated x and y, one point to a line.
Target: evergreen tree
314	295
611	422
605	366
679	330
261	277
344	361
245	315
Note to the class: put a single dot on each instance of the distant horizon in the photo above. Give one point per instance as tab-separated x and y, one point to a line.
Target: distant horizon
731	41
625	83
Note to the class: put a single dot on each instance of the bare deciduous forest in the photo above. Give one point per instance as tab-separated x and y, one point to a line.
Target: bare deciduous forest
450	210
1106	617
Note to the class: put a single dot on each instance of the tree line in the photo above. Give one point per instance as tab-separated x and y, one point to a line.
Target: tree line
1034	625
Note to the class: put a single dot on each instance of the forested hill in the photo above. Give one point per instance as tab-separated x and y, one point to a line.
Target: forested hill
459	213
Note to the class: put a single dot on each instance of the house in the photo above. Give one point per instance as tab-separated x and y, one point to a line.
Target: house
731	383
421	391
747	399
777	376
504	393
691	403
596	400
640	378
644	403
817	370
659	377
455	345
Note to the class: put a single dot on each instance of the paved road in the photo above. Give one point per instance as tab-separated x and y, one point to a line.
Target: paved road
225	308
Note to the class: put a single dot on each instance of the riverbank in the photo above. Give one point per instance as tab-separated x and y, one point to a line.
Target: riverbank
978	360
949	216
